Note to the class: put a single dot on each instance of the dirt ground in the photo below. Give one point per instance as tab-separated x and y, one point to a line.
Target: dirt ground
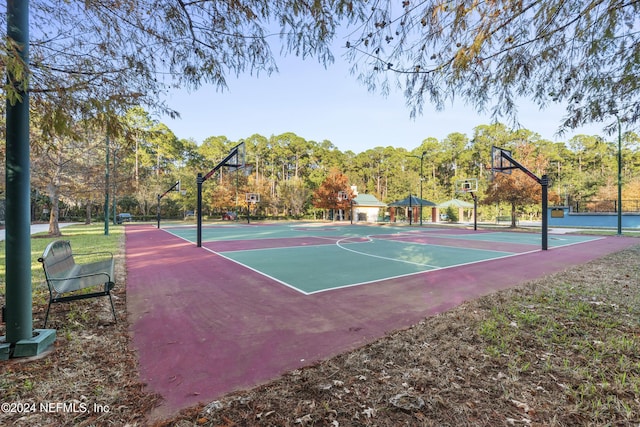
559	351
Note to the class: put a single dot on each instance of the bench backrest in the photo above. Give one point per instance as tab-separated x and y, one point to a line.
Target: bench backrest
57	259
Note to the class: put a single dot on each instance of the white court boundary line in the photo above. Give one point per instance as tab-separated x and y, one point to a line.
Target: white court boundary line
372	239
432	268
440	268
242	264
332	242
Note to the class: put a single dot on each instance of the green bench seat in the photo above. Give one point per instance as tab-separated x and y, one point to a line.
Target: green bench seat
69	281
504	218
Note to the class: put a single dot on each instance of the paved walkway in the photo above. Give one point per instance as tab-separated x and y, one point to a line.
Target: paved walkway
37	228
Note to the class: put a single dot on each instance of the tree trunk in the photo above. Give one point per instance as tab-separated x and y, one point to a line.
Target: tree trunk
513	215
54	227
88	209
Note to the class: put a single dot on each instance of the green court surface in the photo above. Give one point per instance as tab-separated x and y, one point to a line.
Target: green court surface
319	268
313	258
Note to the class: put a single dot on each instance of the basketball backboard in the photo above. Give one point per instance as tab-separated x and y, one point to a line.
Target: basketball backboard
469	185
181	190
252	198
498	162
238	157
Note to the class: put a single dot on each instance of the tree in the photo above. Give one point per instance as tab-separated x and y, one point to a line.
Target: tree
326	196
256	154
223	195
583	53
69	169
97	59
295	153
452	214
518	188
432	159
453	159
373	167
324	157
93	58
293	195
592	163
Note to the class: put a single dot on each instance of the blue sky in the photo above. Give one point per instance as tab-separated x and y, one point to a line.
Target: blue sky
317	104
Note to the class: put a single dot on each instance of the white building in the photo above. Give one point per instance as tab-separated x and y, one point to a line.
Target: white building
366	208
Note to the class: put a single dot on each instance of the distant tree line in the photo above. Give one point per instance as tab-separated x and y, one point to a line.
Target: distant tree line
289	171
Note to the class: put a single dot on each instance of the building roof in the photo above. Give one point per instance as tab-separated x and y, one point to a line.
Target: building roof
368	200
456	203
411	201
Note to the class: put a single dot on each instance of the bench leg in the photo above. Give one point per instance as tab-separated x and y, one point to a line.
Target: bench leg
113	310
46	316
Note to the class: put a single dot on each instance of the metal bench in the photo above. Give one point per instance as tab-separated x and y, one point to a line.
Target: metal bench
68	281
505	218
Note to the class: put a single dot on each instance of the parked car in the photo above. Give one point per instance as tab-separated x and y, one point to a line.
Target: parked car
123	217
231	216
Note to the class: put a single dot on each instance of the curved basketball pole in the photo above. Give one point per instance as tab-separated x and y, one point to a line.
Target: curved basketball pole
544	183
239	154
176	187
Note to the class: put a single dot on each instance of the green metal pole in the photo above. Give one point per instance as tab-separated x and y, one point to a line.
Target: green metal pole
475	212
544	182
619	177
199	181
114	207
421	179
106	190
18	210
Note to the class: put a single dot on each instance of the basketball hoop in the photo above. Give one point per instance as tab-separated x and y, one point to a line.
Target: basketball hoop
501	161
235	160
252	198
464	186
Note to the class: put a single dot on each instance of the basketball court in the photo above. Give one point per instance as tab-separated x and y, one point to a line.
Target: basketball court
258	300
314	258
